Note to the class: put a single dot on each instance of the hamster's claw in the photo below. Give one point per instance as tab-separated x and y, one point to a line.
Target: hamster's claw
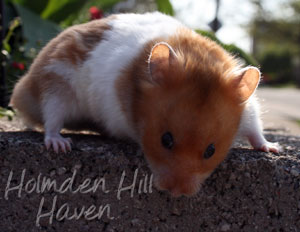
270	147
58	143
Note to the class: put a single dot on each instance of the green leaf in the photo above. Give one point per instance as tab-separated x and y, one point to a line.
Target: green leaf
58	10
9	15
37	6
105	4
210	35
165	6
13	25
6	46
6	113
231	48
36	31
65	12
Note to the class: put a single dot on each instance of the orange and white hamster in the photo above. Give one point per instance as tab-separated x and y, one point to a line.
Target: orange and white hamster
147	77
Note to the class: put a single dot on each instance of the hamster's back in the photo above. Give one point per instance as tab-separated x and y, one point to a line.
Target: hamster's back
82	64
121	44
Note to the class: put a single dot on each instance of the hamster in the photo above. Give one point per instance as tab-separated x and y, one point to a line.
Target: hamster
147	77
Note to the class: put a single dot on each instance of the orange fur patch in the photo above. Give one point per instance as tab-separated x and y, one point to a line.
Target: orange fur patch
74	43
192	103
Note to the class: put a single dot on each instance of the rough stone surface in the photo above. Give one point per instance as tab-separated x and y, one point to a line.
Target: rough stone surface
249	191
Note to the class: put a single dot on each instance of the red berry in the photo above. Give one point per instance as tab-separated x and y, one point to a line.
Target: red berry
95	13
21	66
15	64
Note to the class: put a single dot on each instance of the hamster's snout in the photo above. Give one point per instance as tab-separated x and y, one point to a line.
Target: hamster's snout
177	190
180	185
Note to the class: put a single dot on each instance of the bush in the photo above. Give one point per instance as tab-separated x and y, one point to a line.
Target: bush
231	48
277	66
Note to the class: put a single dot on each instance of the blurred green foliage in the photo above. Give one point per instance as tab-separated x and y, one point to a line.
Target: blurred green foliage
165	7
277	42
12	55
277	65
231	48
30	22
6	113
14	24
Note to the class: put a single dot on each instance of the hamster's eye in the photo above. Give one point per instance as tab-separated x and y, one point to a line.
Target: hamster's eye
210	150
167	140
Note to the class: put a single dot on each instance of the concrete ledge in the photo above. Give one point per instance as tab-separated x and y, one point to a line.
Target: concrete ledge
250	191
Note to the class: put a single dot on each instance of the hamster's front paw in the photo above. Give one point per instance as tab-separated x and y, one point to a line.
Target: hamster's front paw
58	143
269	147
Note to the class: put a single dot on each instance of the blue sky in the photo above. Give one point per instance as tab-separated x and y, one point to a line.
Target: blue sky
234	14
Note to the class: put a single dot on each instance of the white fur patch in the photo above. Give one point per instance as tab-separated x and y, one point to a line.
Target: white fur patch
120	45
76	77
61	68
251	116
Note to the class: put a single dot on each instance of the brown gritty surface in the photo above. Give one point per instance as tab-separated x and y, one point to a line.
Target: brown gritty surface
249	191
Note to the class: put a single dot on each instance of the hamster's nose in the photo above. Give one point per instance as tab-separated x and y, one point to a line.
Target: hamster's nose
177	190
167	185
183	190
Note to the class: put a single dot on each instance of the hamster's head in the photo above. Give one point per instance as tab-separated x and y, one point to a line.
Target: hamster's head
189	115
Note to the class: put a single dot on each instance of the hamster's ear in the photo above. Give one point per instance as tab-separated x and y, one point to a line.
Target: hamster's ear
245	84
161	58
